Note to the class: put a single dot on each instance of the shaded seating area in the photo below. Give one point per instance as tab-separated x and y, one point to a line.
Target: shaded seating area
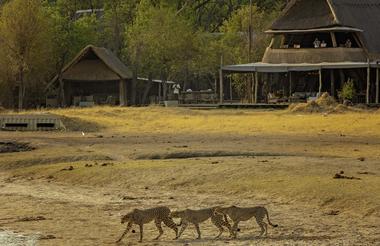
317	46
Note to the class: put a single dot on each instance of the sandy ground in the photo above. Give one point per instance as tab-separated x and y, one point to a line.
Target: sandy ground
85	211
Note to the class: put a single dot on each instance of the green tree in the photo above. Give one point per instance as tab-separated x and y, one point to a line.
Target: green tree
235	41
160	43
117	15
25	44
69	36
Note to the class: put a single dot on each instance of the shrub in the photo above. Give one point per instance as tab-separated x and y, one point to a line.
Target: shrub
348	91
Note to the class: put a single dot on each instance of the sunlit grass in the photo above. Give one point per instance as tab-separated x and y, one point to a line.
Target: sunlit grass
149	120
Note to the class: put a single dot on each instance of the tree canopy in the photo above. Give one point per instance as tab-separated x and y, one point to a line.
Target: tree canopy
181	40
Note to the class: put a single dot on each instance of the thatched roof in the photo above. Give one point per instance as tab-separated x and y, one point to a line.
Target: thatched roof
314	14
101	58
305	14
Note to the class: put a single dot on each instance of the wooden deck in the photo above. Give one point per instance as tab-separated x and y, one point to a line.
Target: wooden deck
235	106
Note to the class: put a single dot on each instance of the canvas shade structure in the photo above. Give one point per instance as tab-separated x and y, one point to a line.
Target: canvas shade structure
95	66
299	67
261	67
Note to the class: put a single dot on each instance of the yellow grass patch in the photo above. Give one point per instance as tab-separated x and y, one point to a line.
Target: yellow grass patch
155	120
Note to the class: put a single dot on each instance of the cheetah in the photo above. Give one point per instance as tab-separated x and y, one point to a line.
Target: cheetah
198	216
141	217
238	214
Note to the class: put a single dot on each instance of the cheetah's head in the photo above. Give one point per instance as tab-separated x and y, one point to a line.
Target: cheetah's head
176	214
126	218
218	211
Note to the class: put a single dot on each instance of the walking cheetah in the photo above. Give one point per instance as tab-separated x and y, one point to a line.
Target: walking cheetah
238	214
141	217
198	216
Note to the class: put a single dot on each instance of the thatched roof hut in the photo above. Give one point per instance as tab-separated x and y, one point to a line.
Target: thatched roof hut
95	72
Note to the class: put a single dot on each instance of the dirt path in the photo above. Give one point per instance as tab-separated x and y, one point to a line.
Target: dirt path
87	216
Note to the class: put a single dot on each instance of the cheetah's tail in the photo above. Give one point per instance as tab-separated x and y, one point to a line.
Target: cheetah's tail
270	223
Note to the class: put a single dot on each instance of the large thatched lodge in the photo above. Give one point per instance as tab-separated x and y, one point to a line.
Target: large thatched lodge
317	46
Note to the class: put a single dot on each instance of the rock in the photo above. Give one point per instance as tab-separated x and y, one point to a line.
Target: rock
129	198
341	176
31	218
333	212
47	237
70	168
106	164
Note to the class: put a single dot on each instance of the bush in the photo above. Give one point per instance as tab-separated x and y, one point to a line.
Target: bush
348	91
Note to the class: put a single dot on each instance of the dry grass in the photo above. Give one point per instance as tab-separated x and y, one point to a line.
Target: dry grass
156	120
185	158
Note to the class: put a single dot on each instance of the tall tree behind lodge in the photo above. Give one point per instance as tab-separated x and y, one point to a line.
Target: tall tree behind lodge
23	26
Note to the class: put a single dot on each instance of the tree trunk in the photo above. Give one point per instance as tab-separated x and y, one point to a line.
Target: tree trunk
147	89
21	90
133	87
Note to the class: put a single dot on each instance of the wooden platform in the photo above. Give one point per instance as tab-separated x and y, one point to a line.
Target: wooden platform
254	106
236	106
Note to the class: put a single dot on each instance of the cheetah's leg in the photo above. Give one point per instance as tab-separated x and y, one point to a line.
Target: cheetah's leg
129	226
262	225
266	228
198	231
218	223
234	228
184	225
159	228
141	232
227	224
170	223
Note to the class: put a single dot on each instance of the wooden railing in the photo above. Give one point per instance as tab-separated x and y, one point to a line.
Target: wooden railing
312	55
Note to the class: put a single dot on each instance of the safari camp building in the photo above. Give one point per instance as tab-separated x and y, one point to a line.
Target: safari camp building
96	76
317	45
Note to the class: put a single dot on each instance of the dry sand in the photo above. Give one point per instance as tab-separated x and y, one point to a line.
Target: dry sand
291	174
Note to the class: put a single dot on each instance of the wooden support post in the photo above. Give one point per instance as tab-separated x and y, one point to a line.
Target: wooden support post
256	86
231	88
250	90
333	38
123	92
221	86
377	85
290	84
252	87
332	78
61	93
320	82
164	90
368	84
215	86
159	92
